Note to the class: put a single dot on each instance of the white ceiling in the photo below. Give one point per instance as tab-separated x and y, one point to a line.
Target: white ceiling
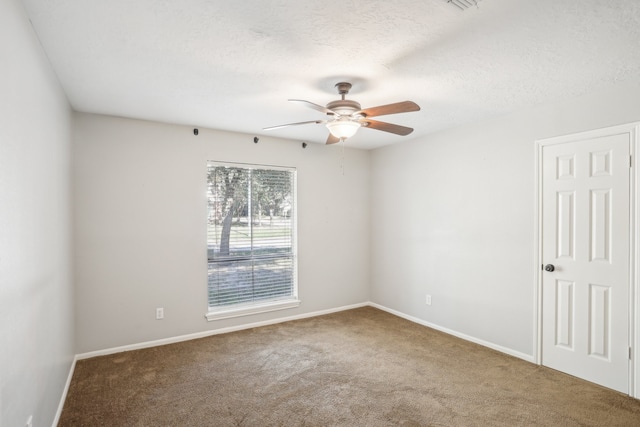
232	65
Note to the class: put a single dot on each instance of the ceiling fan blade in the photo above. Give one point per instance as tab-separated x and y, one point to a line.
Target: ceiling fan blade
295	124
314	106
387	127
398	107
332	139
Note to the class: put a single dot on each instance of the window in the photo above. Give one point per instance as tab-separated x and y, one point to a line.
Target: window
251	244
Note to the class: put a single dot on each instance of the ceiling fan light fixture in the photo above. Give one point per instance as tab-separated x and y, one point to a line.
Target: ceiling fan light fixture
343	127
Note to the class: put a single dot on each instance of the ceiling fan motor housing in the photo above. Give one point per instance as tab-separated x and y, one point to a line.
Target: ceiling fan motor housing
344	107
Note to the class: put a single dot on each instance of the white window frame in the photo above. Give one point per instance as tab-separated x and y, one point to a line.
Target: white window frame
245	309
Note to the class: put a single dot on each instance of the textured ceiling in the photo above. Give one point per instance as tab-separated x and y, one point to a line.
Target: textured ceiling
233	65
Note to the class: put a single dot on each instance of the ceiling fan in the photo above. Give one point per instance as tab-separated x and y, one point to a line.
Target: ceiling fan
346	116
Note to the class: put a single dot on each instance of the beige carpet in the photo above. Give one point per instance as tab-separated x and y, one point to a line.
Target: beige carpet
361	367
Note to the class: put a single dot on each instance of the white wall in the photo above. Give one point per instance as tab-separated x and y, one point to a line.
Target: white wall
140	226
453	216
36	293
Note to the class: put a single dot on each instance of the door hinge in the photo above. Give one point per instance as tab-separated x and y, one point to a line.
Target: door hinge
630	161
630	353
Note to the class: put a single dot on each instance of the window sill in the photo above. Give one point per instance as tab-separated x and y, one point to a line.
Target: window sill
251	309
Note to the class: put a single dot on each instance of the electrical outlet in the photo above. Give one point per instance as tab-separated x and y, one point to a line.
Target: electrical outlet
30	421
159	313
428	300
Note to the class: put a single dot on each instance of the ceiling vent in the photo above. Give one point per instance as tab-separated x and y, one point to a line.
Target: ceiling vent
463	4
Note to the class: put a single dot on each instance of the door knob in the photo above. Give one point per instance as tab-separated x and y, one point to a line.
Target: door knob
549	267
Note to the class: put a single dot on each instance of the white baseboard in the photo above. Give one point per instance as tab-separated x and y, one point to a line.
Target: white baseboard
63	398
203	334
519	355
171	340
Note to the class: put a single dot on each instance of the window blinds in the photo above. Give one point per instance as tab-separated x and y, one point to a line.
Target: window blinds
250	234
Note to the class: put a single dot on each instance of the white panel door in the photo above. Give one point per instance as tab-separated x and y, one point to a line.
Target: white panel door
586	244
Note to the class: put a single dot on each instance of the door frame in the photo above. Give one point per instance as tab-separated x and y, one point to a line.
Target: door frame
633	129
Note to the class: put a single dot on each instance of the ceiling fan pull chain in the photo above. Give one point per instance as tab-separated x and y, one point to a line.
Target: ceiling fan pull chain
342	140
